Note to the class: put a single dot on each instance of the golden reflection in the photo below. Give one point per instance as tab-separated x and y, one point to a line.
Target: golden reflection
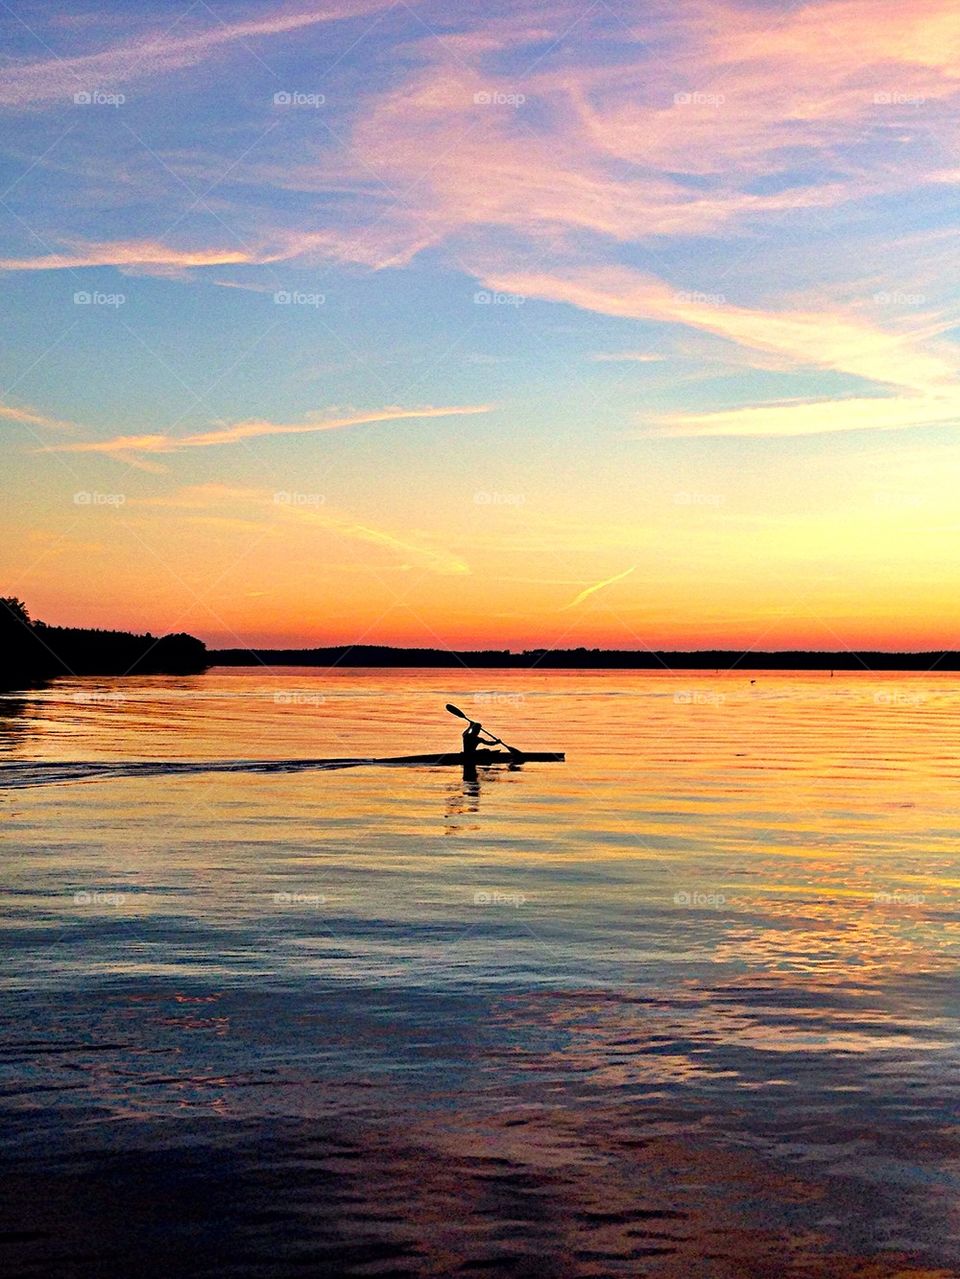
462	800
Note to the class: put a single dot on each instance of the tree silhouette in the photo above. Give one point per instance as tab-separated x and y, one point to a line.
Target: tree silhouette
31	650
18	641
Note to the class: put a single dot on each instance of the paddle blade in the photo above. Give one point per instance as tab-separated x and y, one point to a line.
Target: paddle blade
455	710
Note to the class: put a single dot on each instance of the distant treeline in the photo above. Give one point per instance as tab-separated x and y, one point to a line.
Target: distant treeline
586	659
32	650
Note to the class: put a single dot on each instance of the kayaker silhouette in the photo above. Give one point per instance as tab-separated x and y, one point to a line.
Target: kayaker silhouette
472	738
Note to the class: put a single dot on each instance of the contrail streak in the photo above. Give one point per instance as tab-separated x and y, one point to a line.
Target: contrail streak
598	586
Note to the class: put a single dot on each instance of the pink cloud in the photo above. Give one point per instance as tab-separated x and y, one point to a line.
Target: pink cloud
128	253
665	141
828	340
599	153
757	84
598	150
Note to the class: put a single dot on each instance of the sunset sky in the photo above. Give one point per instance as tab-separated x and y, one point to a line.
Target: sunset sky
495	324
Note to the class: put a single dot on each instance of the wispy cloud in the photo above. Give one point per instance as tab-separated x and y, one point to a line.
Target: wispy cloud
418	553
155	53
125	445
828	340
626	357
225	505
30	417
646	145
816	417
598	586
130	253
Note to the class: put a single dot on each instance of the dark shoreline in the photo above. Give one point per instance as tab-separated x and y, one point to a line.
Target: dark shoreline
587	659
31	651
34	652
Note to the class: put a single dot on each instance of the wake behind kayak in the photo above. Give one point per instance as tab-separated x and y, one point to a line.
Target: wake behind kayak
16	776
475	754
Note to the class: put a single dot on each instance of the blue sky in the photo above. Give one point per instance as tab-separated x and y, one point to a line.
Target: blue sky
670	287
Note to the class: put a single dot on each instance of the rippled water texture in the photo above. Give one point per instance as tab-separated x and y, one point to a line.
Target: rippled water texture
685	1005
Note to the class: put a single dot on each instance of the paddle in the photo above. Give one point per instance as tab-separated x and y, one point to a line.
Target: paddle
455	710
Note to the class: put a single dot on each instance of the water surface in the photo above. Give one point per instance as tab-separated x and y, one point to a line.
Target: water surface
684	1005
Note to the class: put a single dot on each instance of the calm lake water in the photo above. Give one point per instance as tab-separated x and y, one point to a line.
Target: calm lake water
686	1005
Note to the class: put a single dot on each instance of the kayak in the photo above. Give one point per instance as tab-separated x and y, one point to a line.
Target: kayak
480	757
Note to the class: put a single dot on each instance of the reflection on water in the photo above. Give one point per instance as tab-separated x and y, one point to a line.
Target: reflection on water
14	726
685	1005
463	799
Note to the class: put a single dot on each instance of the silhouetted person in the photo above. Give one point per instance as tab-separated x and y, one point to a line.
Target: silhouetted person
472	738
